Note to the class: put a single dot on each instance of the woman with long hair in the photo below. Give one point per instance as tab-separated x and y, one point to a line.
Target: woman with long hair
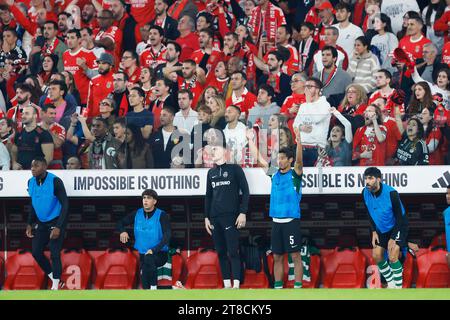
49	66
432	136
135	153
217	106
71	88
363	65
430	14
146	80
353	106
36	93
440	85
412	149
384	40
421	98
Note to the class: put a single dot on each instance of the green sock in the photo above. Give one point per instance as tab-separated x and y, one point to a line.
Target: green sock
297	284
278	285
385	270
397	270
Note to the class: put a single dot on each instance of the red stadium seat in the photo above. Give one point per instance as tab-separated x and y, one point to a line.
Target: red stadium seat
344	268
314	268
257	280
23	272
77	269
177	267
439	240
433	270
203	271
116	269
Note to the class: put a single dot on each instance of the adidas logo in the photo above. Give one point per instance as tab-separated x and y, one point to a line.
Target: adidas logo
443	181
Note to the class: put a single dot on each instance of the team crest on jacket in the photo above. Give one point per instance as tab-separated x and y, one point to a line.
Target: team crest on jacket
225	174
108	85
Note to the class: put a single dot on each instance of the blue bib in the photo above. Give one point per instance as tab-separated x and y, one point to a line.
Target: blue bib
284	198
148	232
43	199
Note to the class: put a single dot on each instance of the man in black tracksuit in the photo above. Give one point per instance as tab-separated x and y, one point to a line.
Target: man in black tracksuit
226	212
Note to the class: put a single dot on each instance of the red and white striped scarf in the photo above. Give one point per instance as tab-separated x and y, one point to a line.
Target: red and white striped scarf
270	23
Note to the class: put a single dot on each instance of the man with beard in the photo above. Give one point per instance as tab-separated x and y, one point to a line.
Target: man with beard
283	38
78	60
31	142
120	94
63	24
414	40
87	41
100	86
275	78
172	68
156	52
125	23
334	79
331	36
383	80
23	97
107	35
348	32
369	143
52	44
189	81
87	17
389	226
240	97
58	133
130	65
57	91
207	57
169	24
103	152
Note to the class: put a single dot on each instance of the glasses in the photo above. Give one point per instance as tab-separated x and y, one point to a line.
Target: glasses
294	81
104	103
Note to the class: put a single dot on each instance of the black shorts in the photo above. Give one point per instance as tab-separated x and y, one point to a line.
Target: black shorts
286	237
400	238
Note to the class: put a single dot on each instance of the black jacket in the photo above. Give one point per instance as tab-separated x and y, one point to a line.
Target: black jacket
223	185
285	88
170	28
163	158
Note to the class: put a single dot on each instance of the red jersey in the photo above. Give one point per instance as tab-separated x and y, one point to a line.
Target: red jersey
441	25
313	16
392	138
113	33
213	59
446	54
245	102
134	78
414	47
142	11
60	131
150	58
291	66
194	86
188	45
295	98
219	84
100	87
365	140
70	65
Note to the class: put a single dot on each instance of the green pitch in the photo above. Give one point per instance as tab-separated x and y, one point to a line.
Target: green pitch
243	294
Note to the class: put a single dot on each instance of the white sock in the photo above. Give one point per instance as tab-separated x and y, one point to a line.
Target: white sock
236	284
227	283
153	287
55	284
50	275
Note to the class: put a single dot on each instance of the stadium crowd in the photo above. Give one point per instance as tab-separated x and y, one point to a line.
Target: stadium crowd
151	83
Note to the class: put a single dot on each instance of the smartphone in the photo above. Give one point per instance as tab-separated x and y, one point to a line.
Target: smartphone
78	110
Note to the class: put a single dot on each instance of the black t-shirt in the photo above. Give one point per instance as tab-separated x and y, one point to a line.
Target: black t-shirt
411	153
29	145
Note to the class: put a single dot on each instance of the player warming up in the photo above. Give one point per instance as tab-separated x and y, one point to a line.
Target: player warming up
389	226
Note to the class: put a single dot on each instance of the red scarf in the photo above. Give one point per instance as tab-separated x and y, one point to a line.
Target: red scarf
274	82
176	8
270	25
50	48
330	76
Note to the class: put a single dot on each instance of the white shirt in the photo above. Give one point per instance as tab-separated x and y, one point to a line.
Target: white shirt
236	141
348	36
166	136
317	115
185	123
396	9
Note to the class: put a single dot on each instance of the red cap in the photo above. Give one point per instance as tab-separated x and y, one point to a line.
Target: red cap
326	5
